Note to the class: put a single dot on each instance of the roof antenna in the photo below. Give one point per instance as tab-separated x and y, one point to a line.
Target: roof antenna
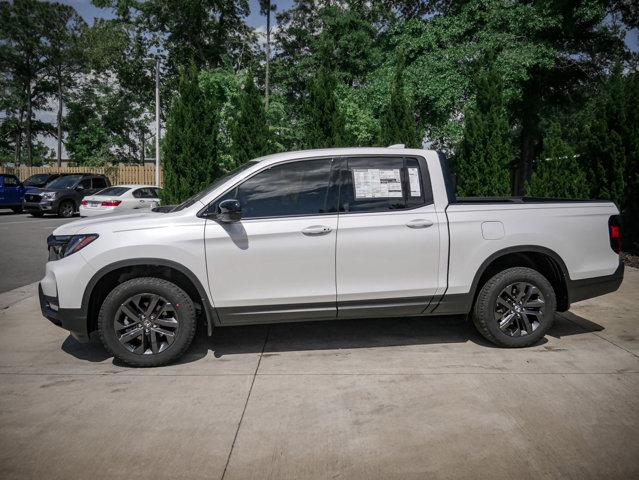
397	145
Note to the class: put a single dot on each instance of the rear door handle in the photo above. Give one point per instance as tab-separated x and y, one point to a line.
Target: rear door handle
419	223
316	230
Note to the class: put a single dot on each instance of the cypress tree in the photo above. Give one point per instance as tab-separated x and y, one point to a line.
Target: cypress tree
605	142
190	150
398	120
631	210
250	131
486	150
557	172
324	122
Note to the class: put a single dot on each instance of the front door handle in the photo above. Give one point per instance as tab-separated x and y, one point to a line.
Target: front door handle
316	230
419	223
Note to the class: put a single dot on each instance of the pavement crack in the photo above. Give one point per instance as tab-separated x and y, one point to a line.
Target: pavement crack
239	424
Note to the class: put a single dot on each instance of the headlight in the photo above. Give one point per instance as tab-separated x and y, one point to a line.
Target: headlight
49	195
61	246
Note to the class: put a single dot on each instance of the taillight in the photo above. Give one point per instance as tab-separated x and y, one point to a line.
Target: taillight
614	232
111	203
85	203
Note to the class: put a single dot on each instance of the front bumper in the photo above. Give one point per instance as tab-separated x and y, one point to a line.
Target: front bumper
42	207
72	319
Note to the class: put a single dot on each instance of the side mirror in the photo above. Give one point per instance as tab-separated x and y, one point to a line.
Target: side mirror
79	188
229	211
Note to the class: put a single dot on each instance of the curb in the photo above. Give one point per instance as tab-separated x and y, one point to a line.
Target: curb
7	299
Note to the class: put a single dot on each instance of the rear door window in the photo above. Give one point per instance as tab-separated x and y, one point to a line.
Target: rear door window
113	191
378	184
99	182
85	183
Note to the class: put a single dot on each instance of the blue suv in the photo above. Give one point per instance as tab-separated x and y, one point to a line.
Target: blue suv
11	192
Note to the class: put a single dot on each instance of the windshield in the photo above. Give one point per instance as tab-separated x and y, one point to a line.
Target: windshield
112	191
38	180
200	195
67	181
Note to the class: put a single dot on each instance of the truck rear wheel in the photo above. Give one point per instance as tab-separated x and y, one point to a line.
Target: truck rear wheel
515	308
147	322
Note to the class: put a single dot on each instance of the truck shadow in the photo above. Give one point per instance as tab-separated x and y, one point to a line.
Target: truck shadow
364	333
335	335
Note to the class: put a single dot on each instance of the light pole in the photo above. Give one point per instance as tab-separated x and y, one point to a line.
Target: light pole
157	121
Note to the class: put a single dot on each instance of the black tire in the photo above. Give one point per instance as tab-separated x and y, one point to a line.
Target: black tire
184	311
485	315
36	214
17	209
66	209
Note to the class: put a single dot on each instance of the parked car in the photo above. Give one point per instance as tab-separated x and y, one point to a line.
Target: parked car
63	195
122	198
11	192
328	234
39	180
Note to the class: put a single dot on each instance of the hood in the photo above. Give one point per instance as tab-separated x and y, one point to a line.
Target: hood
111	222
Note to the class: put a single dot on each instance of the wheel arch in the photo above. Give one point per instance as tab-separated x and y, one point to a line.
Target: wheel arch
544	260
111	275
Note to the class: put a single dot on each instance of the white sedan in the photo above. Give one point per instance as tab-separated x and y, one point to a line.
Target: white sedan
122	198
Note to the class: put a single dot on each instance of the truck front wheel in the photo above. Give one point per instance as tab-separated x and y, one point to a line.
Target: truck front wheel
515	308
147	322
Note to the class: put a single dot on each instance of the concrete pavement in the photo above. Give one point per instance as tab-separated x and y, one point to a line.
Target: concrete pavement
393	398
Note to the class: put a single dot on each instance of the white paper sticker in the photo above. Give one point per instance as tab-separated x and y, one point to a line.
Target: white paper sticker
377	183
413	180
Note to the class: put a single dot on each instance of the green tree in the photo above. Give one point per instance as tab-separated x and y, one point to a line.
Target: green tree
605	143
24	26
64	60
397	123
557	173
190	150
324	121
486	151
631	211
204	32
250	130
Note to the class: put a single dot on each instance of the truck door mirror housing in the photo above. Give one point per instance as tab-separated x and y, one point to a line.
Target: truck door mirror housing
229	211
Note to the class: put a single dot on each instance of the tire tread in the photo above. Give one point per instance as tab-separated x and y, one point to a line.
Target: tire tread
186	302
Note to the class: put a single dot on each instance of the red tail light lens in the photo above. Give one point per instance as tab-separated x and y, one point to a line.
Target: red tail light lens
111	203
614	232
85	203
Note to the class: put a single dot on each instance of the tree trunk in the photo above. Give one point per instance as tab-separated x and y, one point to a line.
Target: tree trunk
60	106
142	147
28	132
18	158
529	132
268	52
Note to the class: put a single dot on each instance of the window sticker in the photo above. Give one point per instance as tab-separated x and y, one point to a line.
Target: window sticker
413	180
377	183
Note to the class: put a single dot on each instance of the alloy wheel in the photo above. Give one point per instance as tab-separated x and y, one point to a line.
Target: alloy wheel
519	309
66	209
146	324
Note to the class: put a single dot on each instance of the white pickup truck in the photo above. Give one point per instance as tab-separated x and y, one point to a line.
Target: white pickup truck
327	234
